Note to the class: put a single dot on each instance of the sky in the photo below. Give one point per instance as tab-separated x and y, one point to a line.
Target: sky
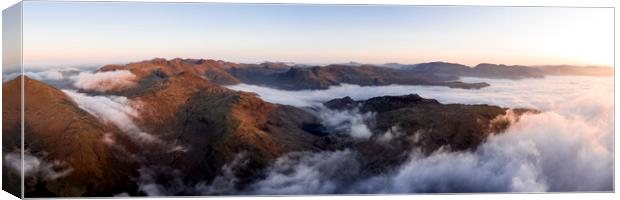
78	33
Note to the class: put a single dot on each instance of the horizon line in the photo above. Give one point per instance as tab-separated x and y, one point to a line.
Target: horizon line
100	64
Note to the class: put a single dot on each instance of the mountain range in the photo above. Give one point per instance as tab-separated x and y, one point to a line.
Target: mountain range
198	129
300	77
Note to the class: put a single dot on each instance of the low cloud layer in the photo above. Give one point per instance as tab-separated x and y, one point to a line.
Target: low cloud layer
71	78
544	152
567	147
51	76
543	94
104	81
309	173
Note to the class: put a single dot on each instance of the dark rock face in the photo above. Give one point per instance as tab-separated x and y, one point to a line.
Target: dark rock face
315	128
378	104
432	124
340	104
388	103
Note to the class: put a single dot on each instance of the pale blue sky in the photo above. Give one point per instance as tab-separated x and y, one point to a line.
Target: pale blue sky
75	33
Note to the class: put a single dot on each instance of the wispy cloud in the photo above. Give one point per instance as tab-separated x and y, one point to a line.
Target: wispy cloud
53	75
37	167
117	110
104	81
348	122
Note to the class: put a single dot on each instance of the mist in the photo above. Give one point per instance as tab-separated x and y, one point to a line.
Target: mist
48	75
566	147
104	81
117	110
542	94
36	166
348	122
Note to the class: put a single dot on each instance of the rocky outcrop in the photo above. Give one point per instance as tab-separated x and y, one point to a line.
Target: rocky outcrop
415	121
345	103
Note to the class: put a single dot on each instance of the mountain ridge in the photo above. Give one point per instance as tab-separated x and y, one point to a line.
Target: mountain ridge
288	76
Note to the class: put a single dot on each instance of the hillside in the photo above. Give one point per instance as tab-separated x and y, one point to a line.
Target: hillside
57	131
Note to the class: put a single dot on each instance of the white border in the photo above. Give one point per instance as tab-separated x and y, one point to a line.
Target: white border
565	3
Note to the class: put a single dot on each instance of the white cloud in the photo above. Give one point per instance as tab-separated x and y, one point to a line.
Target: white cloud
46	75
56	74
34	166
150	180
567	147
394	132
104	81
349	122
121	112
117	110
542	152
308	173
544	94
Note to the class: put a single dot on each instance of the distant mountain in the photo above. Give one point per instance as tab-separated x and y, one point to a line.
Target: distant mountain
483	70
282	76
486	70
290	76
323	77
504	71
439	68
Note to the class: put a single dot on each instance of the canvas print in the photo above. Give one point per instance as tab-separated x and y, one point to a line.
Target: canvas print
206	99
